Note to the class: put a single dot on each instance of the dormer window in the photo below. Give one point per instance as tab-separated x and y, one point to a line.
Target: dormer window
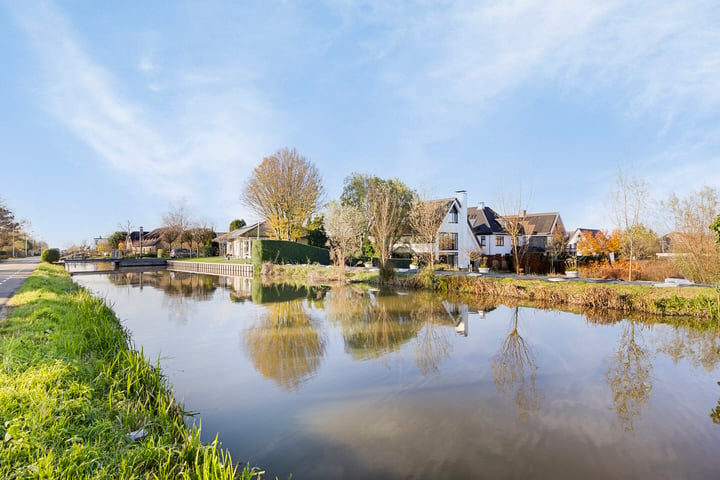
453	215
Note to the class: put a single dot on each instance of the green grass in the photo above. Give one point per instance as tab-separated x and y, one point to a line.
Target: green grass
72	388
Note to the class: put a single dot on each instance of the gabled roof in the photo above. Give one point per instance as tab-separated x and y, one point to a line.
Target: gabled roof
536	223
591	231
484	221
249	232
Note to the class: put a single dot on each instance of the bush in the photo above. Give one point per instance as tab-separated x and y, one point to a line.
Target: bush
282	252
50	255
394	262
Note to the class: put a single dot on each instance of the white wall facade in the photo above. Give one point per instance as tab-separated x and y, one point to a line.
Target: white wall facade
457	225
491	246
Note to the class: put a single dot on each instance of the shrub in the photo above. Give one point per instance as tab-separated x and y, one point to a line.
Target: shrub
50	255
281	252
394	262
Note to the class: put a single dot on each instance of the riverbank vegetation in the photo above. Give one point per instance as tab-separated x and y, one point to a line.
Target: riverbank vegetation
688	301
698	302
78	401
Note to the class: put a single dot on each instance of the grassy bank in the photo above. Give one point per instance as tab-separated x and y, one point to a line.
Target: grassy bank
697	302
72	390
591	298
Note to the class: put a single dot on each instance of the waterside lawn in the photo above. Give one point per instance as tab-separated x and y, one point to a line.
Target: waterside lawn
77	401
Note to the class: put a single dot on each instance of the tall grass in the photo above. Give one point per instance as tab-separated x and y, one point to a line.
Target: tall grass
72	389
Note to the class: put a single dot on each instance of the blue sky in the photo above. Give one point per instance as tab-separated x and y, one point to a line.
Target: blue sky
116	111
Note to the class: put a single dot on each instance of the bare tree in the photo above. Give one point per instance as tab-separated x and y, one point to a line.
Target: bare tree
285	190
693	241
425	219
176	222
343	224
385	205
389	204
200	234
126	228
630	203
512	211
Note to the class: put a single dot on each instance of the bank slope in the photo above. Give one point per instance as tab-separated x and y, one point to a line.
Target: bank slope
77	401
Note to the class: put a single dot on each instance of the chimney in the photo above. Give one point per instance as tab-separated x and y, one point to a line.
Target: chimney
481	205
524	214
462	194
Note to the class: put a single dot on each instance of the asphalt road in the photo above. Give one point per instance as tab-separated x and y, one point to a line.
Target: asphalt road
13	273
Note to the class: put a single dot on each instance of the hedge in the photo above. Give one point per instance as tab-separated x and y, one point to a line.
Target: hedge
395	262
283	252
50	255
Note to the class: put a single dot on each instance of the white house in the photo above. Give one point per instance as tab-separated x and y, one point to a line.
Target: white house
488	229
455	239
576	238
238	243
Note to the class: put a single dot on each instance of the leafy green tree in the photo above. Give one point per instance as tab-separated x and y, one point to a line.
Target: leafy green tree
639	242
116	238
385	205
237	223
316	235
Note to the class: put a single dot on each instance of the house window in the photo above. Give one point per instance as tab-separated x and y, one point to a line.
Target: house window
448	241
449	260
453	215
482	241
499	241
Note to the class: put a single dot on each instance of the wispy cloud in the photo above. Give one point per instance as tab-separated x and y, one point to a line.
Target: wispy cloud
200	147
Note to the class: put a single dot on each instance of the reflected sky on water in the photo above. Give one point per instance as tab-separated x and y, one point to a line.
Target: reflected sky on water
353	382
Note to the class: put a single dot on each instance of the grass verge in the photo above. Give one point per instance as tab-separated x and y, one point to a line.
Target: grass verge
72	389
697	302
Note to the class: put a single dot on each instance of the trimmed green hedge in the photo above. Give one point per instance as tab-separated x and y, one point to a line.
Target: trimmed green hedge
395	262
283	252
50	255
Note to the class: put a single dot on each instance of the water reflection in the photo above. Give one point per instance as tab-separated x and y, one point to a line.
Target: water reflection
285	345
325	403
701	348
515	369
629	376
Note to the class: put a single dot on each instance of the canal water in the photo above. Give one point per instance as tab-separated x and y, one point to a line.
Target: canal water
353	382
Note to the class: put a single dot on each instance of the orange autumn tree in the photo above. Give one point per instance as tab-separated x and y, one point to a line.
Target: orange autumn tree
600	243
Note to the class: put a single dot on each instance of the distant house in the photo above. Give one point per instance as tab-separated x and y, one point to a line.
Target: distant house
150	242
488	230
576	238
239	242
670	242
455	239
537	229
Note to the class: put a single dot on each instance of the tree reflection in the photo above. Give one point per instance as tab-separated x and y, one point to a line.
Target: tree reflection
285	346
702	348
514	371
433	344
715	413
629	377
373	324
